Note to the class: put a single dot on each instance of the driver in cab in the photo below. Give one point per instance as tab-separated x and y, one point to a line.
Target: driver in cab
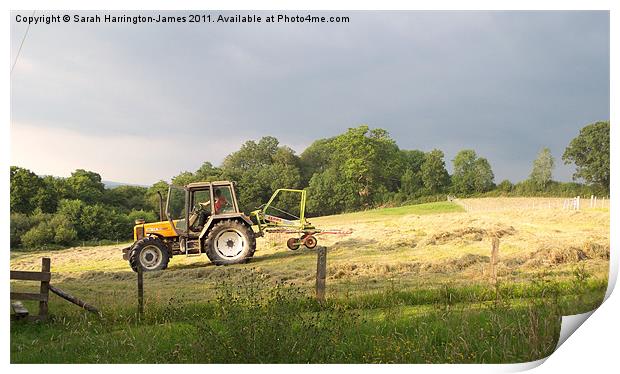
203	212
220	201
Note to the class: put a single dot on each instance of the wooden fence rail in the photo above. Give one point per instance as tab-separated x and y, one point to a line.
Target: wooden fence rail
74	300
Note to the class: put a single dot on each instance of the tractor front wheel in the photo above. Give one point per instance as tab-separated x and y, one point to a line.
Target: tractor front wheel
150	253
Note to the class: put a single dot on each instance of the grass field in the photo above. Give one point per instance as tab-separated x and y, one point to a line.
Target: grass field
410	284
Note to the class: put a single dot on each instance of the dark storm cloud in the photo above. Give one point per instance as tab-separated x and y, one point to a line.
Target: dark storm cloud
503	83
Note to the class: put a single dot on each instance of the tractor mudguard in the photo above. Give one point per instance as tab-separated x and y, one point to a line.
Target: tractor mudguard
213	219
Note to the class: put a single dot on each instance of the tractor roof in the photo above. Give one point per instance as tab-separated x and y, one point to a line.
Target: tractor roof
206	184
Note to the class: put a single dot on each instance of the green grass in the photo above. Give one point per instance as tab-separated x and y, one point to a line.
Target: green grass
418	209
254	324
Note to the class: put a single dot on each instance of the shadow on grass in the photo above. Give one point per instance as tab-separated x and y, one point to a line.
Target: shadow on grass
193	265
282	255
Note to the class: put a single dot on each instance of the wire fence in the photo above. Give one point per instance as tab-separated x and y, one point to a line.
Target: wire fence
490	204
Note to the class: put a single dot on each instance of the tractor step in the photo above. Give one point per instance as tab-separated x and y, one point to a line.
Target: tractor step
193	254
191	249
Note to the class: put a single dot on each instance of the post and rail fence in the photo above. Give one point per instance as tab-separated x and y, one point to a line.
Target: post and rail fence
44	276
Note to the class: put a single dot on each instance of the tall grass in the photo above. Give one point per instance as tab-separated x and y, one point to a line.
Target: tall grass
250	323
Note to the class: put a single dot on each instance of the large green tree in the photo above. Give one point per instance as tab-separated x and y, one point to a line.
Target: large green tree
433	172
589	151
413	159
20	223
259	168
72	210
48	195
125	198
252	155
86	186
411	183
206	173
368	158
315	159
357	168
103	222
483	176
472	174
505	186
542	168
327	195
25	186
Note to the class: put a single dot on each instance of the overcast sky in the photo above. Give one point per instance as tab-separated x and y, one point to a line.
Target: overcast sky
140	103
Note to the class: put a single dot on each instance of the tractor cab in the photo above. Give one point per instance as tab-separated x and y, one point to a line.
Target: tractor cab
189	208
200	217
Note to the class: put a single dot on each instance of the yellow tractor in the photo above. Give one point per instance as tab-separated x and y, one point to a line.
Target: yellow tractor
204	217
201	217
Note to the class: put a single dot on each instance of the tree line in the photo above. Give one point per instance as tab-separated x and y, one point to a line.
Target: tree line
359	169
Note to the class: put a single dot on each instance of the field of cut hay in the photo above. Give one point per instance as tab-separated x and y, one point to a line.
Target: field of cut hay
421	271
456	246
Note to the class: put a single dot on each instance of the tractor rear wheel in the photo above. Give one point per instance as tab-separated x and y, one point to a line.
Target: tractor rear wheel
230	242
150	253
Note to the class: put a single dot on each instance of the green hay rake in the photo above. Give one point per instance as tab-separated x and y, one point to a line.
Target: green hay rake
305	233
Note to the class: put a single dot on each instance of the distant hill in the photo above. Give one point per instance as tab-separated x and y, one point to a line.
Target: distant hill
106	184
112	184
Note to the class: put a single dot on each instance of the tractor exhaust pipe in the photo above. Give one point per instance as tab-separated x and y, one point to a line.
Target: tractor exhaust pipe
161	206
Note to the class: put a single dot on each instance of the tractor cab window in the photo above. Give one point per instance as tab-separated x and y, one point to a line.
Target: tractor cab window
202	199
223	200
175	207
201	209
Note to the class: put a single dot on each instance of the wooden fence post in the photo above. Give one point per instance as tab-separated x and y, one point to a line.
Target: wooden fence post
45	285
494	254
140	291
321	272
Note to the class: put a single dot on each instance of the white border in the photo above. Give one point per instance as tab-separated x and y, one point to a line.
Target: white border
598	341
